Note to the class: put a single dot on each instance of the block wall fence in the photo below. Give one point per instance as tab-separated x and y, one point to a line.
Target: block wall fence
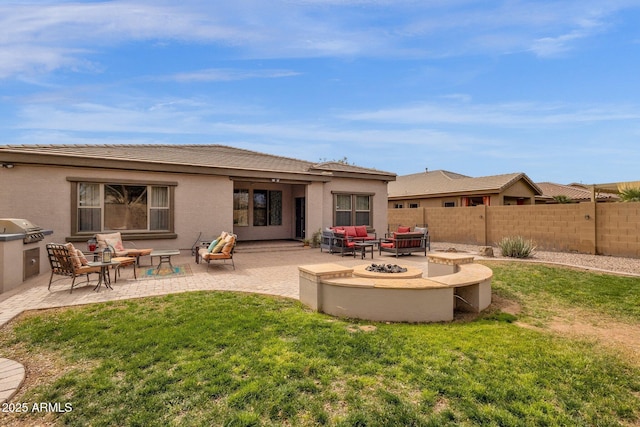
590	228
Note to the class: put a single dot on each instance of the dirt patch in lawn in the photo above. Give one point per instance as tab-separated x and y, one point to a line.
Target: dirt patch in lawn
623	337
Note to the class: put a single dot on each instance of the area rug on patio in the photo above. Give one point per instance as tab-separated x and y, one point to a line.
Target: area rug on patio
151	272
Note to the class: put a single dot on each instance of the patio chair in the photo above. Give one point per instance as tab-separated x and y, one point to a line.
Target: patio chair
124	261
221	248
115	240
67	261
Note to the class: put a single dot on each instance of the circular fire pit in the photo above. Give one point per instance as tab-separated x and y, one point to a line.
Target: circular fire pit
408	273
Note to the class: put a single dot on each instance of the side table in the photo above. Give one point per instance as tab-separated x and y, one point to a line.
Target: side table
104	273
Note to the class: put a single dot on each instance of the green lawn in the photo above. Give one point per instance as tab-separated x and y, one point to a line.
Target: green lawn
230	359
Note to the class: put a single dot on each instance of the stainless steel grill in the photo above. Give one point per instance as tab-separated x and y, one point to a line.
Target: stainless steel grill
32	233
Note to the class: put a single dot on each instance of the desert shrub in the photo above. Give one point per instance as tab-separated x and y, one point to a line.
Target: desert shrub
630	194
516	247
561	198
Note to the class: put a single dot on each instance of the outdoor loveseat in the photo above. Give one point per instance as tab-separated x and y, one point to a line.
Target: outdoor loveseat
343	239
405	242
220	249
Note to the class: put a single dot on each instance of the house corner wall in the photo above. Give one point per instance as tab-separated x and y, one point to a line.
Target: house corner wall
315	208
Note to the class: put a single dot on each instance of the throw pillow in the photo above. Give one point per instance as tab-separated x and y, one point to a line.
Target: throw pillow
73	254
112	239
404	229
218	247
83	259
228	245
114	244
422	230
361	231
350	230
212	245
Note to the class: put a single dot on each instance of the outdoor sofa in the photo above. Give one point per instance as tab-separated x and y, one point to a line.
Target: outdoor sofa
405	242
343	239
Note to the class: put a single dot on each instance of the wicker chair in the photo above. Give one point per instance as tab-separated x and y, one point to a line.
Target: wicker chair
63	264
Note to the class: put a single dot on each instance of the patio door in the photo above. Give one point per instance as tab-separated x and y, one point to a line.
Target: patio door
300	217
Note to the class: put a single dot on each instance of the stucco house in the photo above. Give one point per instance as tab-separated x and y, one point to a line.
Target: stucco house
166	196
440	188
573	193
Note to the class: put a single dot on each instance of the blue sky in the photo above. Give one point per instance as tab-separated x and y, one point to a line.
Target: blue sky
549	88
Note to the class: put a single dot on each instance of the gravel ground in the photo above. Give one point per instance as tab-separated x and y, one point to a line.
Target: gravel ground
629	266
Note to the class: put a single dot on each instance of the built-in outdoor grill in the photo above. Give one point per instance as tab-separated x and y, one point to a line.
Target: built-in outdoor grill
32	233
21	243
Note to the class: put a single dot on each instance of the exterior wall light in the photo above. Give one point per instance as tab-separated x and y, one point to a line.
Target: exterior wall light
8	165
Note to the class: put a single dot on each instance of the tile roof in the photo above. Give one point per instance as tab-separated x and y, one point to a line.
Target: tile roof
573	191
439	182
199	155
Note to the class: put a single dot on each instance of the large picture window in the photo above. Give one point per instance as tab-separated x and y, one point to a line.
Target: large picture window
123	207
352	209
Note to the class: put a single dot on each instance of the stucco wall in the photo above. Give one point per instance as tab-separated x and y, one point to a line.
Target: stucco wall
43	196
378	188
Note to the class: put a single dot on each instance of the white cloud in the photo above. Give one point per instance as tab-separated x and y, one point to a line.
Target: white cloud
69	32
505	114
225	74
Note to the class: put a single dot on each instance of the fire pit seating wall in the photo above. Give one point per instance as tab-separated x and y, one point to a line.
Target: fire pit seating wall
453	283
343	239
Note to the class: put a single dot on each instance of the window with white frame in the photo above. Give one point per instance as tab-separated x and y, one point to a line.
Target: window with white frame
352	209
122	207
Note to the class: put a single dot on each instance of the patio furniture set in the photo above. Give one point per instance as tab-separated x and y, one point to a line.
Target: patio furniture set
358	240
68	261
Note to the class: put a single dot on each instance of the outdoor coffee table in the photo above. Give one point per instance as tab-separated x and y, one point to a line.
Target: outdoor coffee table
362	247
165	256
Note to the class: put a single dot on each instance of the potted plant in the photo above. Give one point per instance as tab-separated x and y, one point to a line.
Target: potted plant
315	238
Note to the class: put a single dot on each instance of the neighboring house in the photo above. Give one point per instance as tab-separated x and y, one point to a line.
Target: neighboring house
442	188
573	193
166	196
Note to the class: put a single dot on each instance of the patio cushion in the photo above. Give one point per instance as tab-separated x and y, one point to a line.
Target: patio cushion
361	231
350	231
110	239
404	229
